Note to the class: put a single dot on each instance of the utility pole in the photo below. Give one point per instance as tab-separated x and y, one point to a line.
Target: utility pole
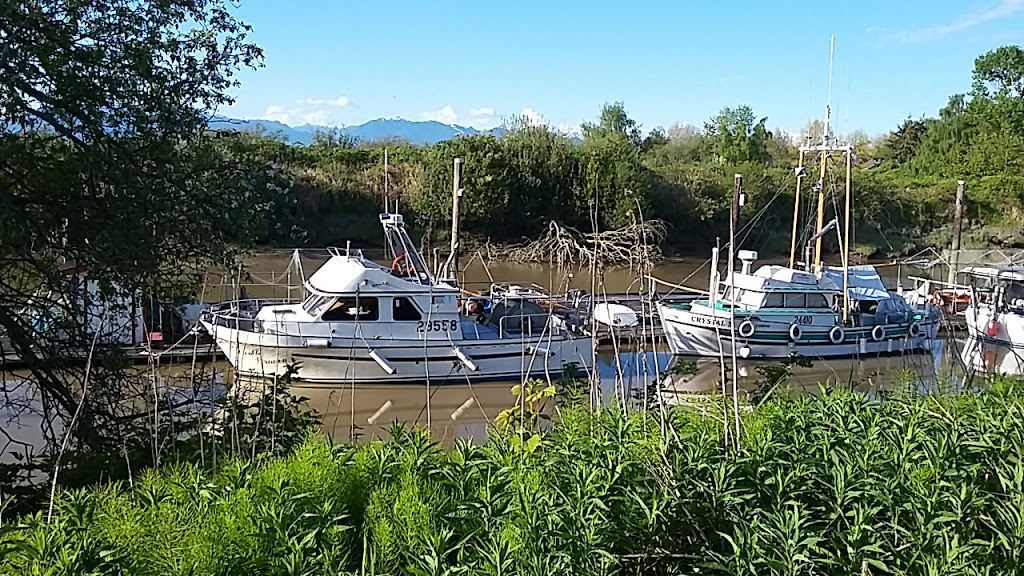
958	216
456	214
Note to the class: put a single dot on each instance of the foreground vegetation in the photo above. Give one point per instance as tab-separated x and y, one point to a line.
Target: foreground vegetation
837	483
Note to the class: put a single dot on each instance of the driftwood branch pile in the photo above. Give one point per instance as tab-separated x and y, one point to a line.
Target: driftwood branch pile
631	245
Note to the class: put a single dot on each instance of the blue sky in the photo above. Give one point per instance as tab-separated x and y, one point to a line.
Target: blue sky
337	62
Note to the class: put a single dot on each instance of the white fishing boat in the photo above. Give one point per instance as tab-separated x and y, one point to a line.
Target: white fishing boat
361	322
776	311
996	310
818	311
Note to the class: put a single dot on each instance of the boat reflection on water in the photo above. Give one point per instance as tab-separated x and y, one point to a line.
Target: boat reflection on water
983	358
687	376
367	412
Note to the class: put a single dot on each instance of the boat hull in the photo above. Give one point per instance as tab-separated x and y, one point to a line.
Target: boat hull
1008	330
401	362
687	337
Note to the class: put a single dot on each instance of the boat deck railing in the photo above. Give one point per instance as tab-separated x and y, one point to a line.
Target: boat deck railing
240	314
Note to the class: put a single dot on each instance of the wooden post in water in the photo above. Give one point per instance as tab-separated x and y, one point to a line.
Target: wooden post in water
958	217
737	187
846	236
456	214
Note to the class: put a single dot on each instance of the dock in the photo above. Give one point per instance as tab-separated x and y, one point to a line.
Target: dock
201	348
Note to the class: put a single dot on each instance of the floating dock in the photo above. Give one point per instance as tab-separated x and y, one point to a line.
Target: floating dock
201	348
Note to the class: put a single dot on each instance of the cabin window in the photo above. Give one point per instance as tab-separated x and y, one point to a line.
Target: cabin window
352	309
313	303
403	310
774	300
743	297
817	301
795	300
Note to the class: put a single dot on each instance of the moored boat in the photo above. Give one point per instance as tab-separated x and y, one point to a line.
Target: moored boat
776	311
361	322
815	310
996	311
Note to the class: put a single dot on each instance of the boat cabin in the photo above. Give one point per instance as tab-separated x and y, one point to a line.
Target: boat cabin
778	287
1000	284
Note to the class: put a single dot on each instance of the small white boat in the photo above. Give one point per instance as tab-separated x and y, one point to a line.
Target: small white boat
780	310
364	323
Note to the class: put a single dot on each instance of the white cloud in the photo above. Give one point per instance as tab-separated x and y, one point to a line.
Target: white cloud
298	116
483	118
446	115
340	101
1003	9
568	129
532	117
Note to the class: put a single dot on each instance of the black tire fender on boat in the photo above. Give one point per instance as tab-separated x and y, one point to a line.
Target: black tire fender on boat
836	334
795	332
915	330
877	333
746	329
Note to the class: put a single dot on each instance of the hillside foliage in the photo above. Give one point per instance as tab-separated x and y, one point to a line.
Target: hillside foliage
613	175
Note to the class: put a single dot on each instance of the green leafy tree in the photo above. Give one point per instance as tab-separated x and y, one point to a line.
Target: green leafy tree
902	144
615	123
734	135
107	163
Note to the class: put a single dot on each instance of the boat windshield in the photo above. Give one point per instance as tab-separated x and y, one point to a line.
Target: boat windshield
748	298
313	303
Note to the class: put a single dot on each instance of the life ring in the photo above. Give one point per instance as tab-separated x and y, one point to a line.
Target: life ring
836	334
746	329
795	332
915	330
397	267
936	298
877	333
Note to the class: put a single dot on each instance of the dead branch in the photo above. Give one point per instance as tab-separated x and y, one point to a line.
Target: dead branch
634	245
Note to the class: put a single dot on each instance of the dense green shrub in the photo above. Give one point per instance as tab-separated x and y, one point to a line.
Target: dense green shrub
836	483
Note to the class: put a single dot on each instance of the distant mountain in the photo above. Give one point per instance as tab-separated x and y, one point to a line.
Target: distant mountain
427	132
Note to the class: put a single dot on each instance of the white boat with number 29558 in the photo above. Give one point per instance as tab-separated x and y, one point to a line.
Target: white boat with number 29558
365	323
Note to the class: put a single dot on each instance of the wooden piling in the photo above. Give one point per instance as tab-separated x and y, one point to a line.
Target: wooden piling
456	213
958	215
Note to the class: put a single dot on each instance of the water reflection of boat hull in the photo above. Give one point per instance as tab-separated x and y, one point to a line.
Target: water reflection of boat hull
992	358
450	412
706	377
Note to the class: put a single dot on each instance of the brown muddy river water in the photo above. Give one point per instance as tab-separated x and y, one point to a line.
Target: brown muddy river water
454	411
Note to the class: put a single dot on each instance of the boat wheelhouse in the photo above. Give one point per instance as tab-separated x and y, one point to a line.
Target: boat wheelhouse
361	322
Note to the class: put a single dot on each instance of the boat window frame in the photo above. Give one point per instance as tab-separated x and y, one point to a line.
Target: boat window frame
373	311
412	305
790	299
313	303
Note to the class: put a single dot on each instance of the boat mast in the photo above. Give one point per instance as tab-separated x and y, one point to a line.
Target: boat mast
826	149
824	156
796	208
